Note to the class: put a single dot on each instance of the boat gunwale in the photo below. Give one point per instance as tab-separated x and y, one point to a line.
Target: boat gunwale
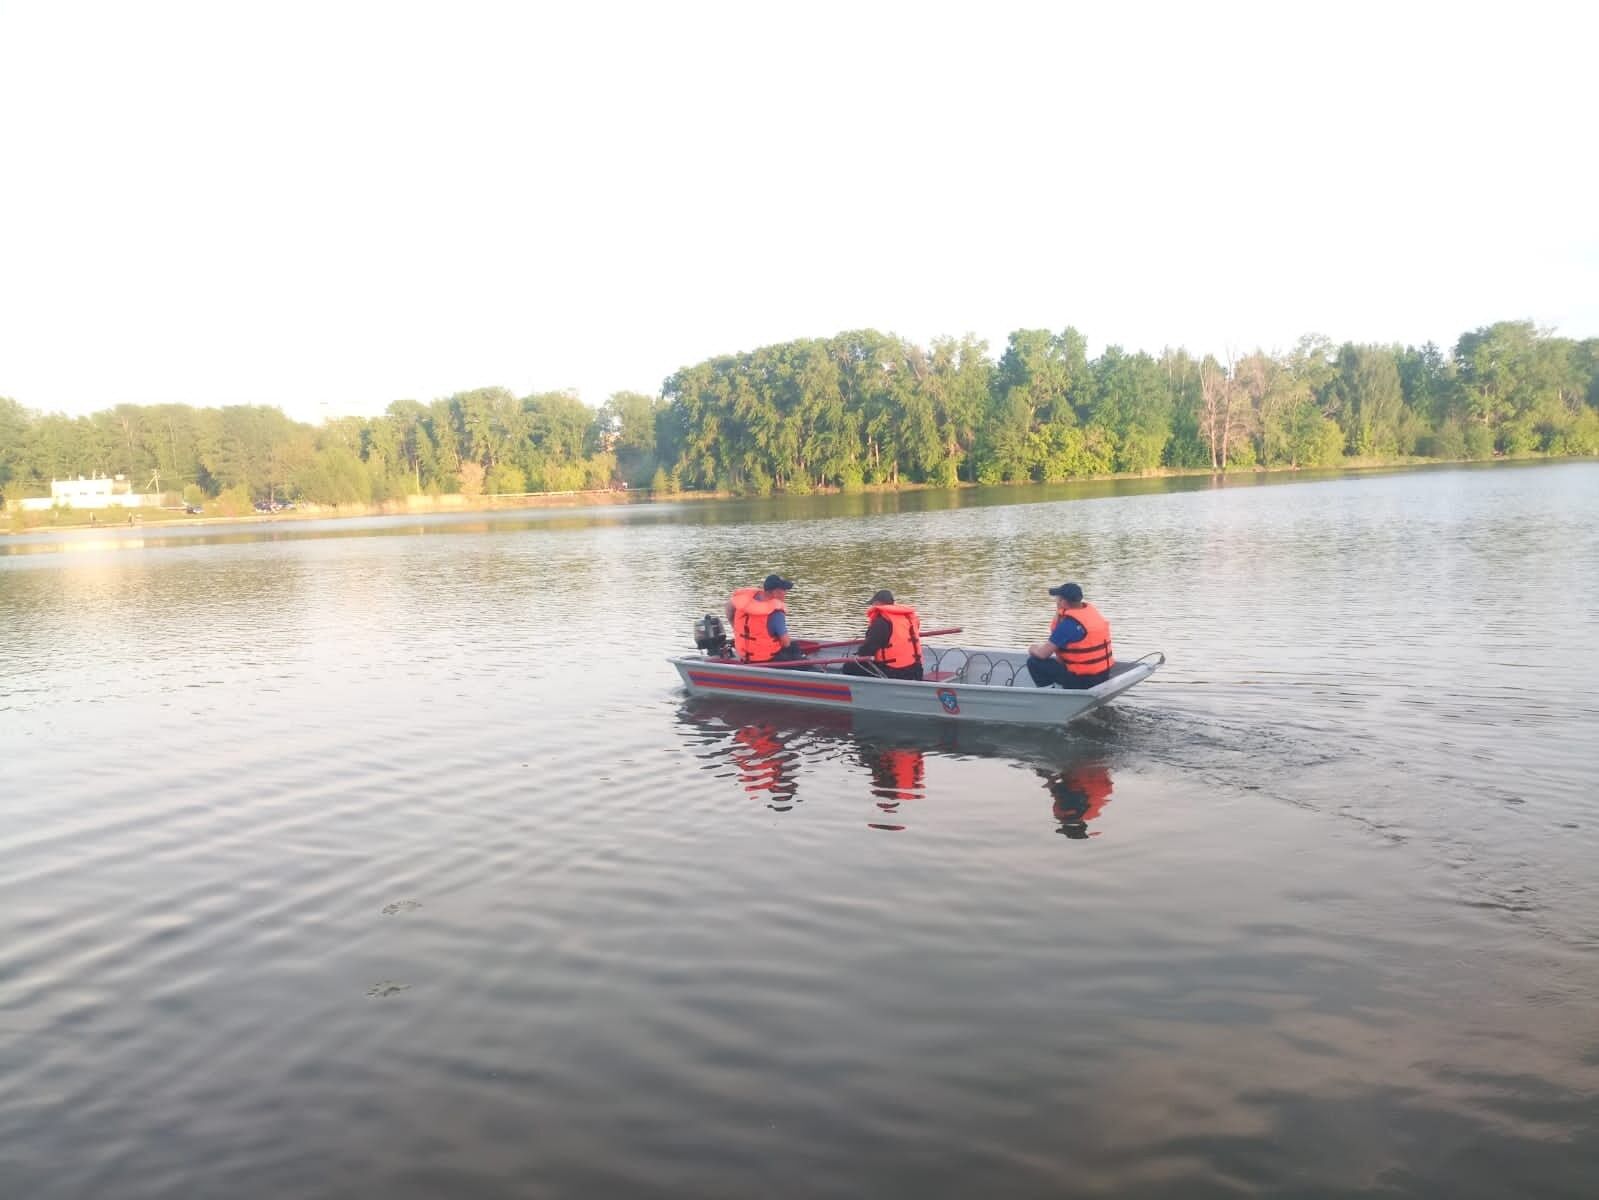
1142	667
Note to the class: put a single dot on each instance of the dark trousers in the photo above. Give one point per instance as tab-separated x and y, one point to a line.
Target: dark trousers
1051	672
914	671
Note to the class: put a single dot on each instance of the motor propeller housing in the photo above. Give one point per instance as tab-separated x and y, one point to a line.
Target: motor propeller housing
710	635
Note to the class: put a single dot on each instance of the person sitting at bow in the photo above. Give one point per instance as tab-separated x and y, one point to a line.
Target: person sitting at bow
893	640
1078	653
760	622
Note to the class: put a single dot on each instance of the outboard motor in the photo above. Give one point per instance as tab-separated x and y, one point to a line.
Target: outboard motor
710	635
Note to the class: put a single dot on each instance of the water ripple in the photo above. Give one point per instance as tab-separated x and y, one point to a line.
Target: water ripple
361	861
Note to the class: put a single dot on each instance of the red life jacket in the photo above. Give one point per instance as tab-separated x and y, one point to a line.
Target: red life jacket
1091	654
752	642
905	644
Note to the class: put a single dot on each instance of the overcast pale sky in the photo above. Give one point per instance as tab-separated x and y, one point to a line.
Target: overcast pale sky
329	206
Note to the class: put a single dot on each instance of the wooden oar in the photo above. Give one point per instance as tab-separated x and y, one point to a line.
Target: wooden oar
808	647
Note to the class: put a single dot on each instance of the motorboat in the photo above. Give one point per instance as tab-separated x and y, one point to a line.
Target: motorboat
959	683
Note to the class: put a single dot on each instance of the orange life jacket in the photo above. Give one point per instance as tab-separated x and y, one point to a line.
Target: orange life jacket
751	640
905	644
1090	655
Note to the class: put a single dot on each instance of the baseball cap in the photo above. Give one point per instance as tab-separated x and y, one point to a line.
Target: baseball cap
776	583
1068	591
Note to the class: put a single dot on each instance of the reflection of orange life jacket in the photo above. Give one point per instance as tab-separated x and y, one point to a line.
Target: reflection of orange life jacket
751	640
905	644
1091	655
759	756
1091	781
900	771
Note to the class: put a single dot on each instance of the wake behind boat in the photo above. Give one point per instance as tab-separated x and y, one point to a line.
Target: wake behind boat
964	683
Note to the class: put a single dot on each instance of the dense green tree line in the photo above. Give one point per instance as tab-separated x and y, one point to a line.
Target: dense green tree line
863	408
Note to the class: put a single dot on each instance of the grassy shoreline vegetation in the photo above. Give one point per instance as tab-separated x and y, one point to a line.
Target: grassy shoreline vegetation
859	411
90	520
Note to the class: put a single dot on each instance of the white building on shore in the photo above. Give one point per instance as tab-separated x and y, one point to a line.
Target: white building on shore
100	491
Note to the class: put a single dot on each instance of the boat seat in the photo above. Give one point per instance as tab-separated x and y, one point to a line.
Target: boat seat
939	676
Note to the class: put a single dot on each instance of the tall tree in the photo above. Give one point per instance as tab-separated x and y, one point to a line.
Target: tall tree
13	432
1224	416
1368	398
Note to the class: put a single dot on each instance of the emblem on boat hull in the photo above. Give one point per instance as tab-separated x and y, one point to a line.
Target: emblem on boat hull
951	702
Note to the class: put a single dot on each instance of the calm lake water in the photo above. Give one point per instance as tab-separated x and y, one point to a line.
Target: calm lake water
386	858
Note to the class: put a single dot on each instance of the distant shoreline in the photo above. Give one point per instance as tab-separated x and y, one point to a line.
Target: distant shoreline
114	519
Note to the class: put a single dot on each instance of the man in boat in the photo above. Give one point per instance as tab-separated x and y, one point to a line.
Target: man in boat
760	622
1078	653
893	640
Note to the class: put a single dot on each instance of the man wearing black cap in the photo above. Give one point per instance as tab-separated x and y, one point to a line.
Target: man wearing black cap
760	622
1078	654
893	640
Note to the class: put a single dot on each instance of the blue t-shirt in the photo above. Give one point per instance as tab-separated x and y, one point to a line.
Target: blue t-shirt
777	623
1066	631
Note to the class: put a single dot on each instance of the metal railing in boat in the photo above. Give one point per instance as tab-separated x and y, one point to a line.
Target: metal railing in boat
1006	670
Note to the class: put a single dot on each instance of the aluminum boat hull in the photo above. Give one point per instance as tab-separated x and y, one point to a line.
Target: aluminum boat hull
965	683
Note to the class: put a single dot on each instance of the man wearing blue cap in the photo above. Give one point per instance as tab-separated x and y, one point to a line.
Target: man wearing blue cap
1078	654
760	622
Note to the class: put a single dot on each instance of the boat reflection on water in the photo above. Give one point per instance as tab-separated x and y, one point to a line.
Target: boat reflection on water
1080	792
769	749
765	764
899	773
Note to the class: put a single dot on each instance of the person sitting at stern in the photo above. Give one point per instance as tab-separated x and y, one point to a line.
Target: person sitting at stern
1078	654
893	640
760	622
